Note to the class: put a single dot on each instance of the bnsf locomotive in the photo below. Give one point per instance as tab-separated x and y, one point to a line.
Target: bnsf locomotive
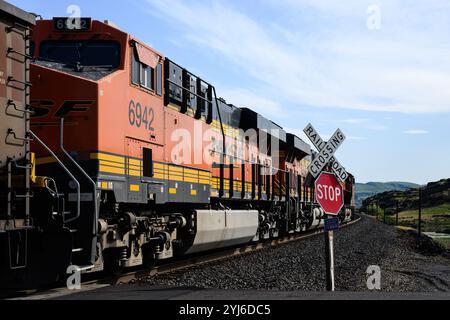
136	160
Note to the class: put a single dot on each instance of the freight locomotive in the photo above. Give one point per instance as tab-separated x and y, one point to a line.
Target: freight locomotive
131	159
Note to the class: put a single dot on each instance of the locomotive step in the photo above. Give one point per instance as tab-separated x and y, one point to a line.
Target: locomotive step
85	268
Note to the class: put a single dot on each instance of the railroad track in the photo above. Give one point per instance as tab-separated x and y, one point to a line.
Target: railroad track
174	266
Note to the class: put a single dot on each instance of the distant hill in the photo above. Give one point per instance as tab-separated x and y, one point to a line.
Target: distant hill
433	194
366	190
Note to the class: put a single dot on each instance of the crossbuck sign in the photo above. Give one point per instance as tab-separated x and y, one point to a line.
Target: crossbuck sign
326	153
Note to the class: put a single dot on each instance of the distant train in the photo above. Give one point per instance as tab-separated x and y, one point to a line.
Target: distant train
130	158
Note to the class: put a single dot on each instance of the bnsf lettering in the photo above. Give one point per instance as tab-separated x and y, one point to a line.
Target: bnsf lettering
139	116
72	106
42	108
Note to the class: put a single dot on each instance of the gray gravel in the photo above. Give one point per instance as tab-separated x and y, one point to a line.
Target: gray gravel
406	264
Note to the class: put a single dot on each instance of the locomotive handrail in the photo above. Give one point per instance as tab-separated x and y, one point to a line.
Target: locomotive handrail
224	146
195	76
192	93
83	172
28	166
23	141
222	160
26	56
15	28
25	111
68	173
25	83
202	98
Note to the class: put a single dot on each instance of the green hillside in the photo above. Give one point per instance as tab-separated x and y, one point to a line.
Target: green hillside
434	203
378	187
366	190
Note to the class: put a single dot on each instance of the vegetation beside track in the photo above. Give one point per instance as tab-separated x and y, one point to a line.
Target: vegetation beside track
402	208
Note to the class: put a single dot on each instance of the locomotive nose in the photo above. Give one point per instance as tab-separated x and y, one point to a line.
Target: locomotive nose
56	94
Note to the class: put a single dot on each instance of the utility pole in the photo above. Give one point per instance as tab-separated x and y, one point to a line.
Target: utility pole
376	207
396	214
384	217
372	211
420	212
373	208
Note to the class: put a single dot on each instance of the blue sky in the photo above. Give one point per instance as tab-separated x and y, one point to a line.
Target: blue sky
381	73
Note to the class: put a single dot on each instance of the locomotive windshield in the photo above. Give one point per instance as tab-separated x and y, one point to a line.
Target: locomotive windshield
101	54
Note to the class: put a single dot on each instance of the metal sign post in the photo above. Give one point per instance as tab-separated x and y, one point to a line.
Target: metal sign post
330	197
329	192
329	256
331	224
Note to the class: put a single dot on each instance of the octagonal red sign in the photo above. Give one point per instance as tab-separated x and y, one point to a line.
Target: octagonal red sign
329	193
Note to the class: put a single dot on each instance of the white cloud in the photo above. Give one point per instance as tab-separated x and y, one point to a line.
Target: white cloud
246	98
336	63
416	132
376	127
355	138
354	121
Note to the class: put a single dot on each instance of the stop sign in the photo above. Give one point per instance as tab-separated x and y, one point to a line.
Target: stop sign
329	193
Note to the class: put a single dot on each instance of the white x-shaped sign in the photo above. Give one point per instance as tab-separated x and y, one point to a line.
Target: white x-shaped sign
326	153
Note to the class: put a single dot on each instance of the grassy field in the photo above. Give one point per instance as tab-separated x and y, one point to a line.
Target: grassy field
427	213
444	242
434	219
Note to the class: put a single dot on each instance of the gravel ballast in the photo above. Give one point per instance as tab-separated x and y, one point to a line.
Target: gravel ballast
407	265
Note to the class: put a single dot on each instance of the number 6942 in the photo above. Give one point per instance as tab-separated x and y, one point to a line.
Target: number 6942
141	116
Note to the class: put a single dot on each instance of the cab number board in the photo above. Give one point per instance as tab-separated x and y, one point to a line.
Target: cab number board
139	116
72	24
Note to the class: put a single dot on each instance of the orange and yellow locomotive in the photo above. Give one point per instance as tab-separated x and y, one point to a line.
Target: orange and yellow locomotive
146	162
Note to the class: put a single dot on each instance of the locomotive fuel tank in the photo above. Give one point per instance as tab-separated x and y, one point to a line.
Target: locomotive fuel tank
217	229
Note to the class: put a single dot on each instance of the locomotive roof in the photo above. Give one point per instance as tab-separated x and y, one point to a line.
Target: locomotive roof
11	10
298	144
253	120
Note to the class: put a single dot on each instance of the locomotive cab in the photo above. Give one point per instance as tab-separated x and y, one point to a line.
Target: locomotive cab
95	88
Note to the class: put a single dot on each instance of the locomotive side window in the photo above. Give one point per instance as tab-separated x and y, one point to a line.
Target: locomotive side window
159	79
135	65
144	75
147	162
147	75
